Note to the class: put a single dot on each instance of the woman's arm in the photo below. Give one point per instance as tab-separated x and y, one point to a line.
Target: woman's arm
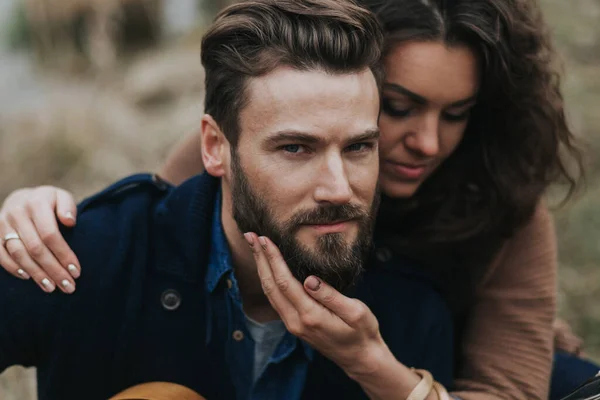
508	342
32	214
184	161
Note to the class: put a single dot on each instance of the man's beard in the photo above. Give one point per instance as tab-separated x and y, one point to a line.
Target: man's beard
335	261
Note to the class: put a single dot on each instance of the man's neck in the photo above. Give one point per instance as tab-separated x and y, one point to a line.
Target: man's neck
256	304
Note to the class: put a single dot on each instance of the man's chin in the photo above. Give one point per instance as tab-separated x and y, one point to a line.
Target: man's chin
337	264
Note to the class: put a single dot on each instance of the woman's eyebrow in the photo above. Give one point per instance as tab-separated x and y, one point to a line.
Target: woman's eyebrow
422	100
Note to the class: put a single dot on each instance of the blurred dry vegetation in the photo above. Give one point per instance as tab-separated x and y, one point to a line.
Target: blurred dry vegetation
92	90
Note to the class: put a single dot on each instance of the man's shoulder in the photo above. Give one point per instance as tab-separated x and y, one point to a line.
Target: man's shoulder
111	211
135	189
114	221
141	220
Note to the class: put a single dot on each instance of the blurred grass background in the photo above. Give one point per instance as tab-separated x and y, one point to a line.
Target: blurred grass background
85	100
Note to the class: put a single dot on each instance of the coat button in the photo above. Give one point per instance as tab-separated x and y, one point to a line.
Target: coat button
383	254
170	300
229	283
238	335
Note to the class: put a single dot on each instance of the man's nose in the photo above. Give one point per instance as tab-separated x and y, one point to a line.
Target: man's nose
333	185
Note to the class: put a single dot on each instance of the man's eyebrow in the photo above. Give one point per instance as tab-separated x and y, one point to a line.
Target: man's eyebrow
422	100
371	134
306	138
293	136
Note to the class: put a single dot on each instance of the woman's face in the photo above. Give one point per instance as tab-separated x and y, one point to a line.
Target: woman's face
427	97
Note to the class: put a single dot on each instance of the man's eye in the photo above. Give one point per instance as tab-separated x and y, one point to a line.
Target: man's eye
292	148
357	147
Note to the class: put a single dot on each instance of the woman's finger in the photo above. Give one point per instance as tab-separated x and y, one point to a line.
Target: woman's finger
271	287
66	210
16	250
40	254
48	231
287	283
6	261
351	311
10	266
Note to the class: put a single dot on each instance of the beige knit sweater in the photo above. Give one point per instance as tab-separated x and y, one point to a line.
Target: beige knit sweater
508	345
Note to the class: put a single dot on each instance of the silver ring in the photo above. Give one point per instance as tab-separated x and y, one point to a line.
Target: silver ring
11	236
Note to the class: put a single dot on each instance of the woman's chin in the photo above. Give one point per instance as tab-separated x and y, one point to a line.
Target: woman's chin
398	189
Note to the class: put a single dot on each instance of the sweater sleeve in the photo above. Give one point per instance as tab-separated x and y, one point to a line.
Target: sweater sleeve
508	342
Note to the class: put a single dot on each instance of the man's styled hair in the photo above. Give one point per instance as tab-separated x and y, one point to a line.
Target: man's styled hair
253	38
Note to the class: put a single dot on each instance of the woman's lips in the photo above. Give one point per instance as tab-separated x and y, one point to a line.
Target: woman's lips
406	171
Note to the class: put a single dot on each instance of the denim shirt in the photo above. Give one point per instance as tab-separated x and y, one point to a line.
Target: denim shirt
285	373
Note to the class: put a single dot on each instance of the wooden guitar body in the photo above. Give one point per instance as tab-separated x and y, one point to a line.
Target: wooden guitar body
158	391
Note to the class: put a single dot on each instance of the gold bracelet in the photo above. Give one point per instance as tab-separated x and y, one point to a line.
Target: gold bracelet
424	387
441	391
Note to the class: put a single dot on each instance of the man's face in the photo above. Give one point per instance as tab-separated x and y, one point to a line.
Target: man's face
304	172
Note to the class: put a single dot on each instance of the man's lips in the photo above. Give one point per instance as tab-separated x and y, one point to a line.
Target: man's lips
333	227
406	171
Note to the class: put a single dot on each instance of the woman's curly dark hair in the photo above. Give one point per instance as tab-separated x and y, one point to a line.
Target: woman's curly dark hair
517	141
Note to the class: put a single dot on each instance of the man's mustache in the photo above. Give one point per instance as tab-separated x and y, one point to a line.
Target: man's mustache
328	215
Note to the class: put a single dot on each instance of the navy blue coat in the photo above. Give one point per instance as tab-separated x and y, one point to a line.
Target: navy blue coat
136	241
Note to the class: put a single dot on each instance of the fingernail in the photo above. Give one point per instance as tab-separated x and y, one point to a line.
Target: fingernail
22	274
263	242
313	283
69	215
48	285
67	286
249	238
73	271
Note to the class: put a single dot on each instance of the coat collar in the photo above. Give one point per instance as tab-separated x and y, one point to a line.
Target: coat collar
183	226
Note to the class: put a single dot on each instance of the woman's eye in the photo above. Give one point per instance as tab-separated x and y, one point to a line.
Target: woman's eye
456	117
394	111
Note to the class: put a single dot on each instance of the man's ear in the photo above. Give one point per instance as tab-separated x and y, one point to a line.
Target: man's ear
215	147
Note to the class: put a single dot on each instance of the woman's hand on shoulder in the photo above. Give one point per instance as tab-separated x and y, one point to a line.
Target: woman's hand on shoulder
31	245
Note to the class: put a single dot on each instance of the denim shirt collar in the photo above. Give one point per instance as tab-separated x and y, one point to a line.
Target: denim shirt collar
219	264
